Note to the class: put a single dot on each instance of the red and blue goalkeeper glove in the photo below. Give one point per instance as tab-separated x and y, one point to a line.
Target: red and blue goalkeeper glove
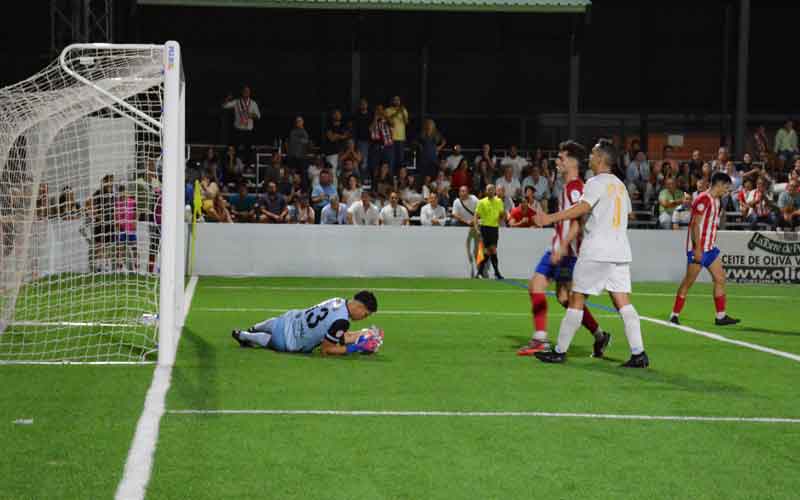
368	342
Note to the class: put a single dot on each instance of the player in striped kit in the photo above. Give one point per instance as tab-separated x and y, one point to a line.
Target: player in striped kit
701	249
558	262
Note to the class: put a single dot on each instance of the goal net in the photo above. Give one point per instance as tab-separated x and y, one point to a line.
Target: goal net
91	167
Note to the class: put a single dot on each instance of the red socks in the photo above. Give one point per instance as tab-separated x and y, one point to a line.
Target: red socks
719	303
589	321
539	308
678	307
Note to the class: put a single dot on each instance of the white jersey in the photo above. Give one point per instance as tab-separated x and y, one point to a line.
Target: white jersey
605	237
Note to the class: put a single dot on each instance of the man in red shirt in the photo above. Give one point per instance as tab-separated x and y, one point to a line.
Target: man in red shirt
702	251
522	214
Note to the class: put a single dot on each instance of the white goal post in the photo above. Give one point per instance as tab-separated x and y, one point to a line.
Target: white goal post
92	237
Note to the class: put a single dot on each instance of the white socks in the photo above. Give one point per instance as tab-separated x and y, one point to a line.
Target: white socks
259	338
540	336
633	329
569	325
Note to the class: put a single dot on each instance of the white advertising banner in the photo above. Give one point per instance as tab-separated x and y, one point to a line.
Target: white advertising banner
755	257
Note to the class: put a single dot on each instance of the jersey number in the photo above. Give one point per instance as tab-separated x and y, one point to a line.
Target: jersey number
617	194
313	317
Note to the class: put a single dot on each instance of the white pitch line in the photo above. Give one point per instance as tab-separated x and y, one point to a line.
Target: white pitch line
139	463
389	413
73	323
452	290
395	312
720	338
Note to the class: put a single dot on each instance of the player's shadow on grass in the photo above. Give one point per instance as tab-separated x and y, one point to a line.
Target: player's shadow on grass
611	366
768	331
515	342
195	373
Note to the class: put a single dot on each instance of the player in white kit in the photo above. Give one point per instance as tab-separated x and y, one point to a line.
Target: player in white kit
605	257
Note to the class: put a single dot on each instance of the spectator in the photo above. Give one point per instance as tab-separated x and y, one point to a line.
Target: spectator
631	152
746	167
433	214
284	183
245	112
322	192
517	163
669	199
760	206
350	159
760	144
728	201
397	114
300	212
361	123
789	204
125	215
442	185
454	158
723	157
381	142
484	175
352	193
700	187
696	163
461	176
348	170
464	207
272	172
45	208
384	183
508	203
522	214
209	189
336	136
393	214
314	170
491	163
510	183
638	172
222	209
334	212
297	147
786	143
706	172
68	208
741	198
431	143
272	207
243	205
667	156
211	163
363	212
540	186
412	198
232	166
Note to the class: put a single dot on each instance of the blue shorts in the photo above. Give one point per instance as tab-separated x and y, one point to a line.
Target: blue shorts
277	341
708	257
129	237
561	272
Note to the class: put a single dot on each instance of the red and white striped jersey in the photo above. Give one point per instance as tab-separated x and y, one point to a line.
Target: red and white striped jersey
706	209
570	195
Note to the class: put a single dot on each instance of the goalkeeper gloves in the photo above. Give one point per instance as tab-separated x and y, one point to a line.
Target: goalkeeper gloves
370	340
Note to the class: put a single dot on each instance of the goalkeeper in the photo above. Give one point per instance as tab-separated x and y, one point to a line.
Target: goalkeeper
326	324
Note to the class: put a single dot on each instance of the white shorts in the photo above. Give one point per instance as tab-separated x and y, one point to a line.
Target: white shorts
592	277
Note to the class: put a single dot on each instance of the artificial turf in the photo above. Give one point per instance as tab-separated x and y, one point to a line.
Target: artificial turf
450	346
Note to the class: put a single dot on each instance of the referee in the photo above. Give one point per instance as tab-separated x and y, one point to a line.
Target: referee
488	214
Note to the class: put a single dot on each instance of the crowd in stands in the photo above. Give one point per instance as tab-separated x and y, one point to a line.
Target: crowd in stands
364	170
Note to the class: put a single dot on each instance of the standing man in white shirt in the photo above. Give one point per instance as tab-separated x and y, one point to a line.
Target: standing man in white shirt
454	158
605	257
433	214
510	183
363	212
245	112
464	215
516	162
393	214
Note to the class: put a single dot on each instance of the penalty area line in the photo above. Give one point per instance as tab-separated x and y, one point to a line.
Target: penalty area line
530	414
139	464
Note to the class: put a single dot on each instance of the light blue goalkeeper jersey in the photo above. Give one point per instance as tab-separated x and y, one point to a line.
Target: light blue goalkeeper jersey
302	330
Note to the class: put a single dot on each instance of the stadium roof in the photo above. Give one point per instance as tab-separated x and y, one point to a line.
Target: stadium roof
542	6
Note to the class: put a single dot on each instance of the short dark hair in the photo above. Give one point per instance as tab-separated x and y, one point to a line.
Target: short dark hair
606	147
529	187
368	299
720	177
573	149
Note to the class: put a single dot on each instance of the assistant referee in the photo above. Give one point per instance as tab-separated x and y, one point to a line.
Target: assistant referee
488	214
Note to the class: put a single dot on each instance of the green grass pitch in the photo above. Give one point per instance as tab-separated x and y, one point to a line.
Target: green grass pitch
450	346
